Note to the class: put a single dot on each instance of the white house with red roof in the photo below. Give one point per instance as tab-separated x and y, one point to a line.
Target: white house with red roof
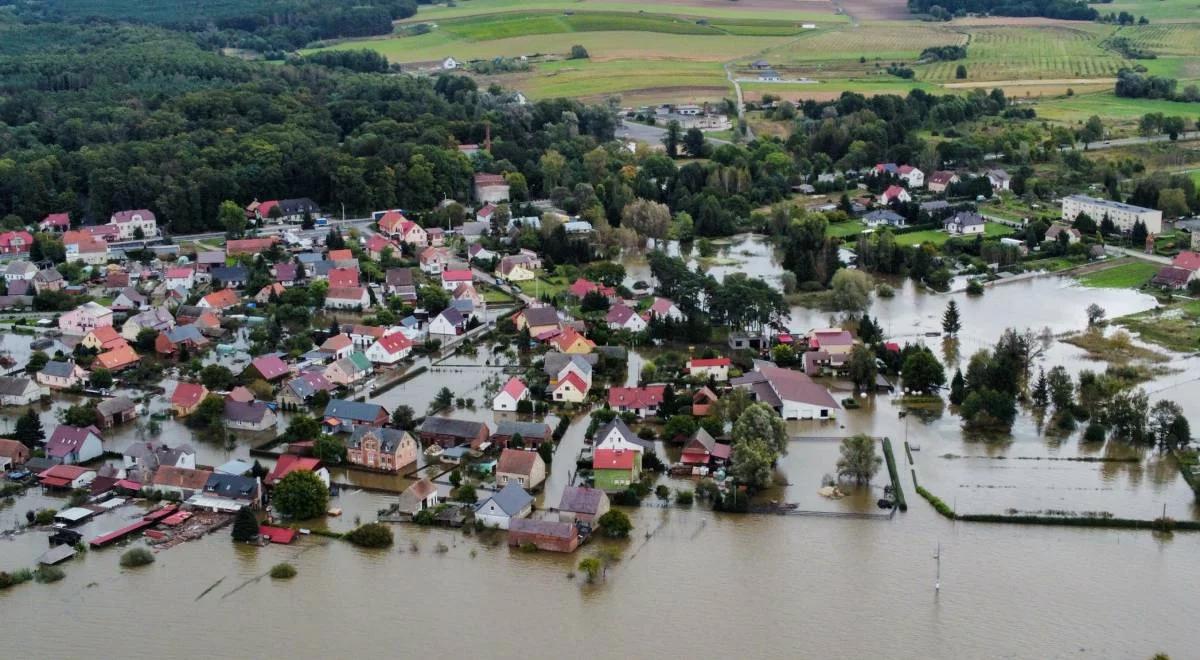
643	401
715	368
129	222
74	444
289	463
219	301
1189	261
623	317
513	392
180	276
56	222
390	349
342	277
434	260
570	389
485	212
84	247
67	477
402	229
914	177
347	297
791	393
665	308
893	194
377	244
451	279
15	242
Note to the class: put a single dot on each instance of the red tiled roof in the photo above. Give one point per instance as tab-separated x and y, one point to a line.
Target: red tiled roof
188	394
288	463
709	362
516	461
340	255
343	277
221	299
636	397
394	343
515	387
613	459
270	366
457	276
574	379
281	535
1187	259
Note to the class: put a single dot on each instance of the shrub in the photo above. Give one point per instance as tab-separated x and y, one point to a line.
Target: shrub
16	577
48	574
614	524
974	288
627	497
733	502
137	557
371	535
283	571
1095	433
528	547
684	497
423	517
44	517
663	493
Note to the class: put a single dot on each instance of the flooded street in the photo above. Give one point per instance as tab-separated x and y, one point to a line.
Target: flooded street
759	586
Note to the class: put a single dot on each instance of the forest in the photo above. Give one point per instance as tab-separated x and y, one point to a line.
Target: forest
1071	10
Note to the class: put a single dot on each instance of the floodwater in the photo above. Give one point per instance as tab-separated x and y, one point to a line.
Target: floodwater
691	582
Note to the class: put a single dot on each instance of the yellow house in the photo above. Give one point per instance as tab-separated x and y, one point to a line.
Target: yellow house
518	273
571	342
571	389
104	338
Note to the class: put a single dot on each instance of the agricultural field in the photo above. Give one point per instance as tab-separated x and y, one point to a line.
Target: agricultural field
787	10
1157	11
884	43
685	81
1126	276
1013	53
824	90
1073	109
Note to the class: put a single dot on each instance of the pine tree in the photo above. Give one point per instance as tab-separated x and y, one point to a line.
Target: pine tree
1041	390
958	388
245	525
29	429
951	323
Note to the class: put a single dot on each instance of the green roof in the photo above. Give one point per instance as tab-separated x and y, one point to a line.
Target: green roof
360	360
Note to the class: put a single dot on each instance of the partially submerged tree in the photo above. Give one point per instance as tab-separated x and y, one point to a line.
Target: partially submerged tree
859	460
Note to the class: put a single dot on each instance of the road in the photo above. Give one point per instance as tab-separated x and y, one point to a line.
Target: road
741	101
1126	142
271	230
1137	254
630	130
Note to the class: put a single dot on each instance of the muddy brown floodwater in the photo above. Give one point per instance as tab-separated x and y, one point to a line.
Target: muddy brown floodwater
691	583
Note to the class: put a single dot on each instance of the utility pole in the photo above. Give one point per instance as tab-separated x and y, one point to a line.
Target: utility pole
937	556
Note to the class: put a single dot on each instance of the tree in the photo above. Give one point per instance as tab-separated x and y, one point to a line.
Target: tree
402	417
672	138
100	378
863	369
614	524
958	390
1095	314
37	360
1041	391
694	143
301	428
859	460
851	291
988	409
679	427
647	218
578	52
1062	389
442	401
300	495
79	415
232	218
216	377
245	525
546	452
591	567
759	422
29	429
752	461
960	72
1168	425
951	323
922	372
1138	234
329	449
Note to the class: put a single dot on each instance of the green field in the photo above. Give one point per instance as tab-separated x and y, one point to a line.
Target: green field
1108	106
1158	11
1031	53
936	237
845	229
1126	276
584	78
805	11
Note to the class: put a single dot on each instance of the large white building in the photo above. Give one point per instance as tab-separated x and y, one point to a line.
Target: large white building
1124	216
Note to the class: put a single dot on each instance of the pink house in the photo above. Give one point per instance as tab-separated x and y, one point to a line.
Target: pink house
56	222
15	242
85	318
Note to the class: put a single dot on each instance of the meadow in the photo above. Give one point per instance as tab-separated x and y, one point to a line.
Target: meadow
936	237
690	81
1126	276
811	10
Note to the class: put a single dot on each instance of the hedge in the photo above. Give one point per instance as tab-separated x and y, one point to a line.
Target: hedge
891	464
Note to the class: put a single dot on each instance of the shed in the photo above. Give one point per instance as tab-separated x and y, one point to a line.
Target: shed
56	555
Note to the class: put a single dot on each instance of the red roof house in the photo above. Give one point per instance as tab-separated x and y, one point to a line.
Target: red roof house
641	400
187	398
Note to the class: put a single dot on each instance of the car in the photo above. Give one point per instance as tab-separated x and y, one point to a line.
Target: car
18	475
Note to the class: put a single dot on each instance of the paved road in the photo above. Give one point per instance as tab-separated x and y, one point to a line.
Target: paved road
741	101
270	230
1125	142
1137	254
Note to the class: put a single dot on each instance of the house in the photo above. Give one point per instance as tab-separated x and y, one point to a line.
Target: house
450	64
66	477
396	226
791	393
437	235
348	297
399	282
502	507
471	232
940	180
702	401
623	317
617	435
895	194
116	410
219	301
268	367
299	391
614	470
180	276
48	279
15	242
570	389
349	370
390	349
538	320
156	319
12	453
103	338
74	444
286	274
581	287
418	497
467	292
186	398
515	268
120	358
912	176
582	504
964	223
342	277
1072	234
714	368
289	463
450	322
1189	261
451	279
526	468
149	456
20	391
377	245
999	179
491	188
209	259
344	416
545	535
532	434
249	416
1172	277
128	300
180	482
447	432
363	336
20	270
572	342
884	217
55	223
641	400
81	246
665	308
84	319
701	450
513	392
381	448
286	210
136	224
185	336
228	493
264	294
61	375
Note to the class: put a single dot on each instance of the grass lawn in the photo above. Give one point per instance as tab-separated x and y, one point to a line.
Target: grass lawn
1106	105
544	286
844	229
1053	264
938	237
1126	276
493	296
1176	327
